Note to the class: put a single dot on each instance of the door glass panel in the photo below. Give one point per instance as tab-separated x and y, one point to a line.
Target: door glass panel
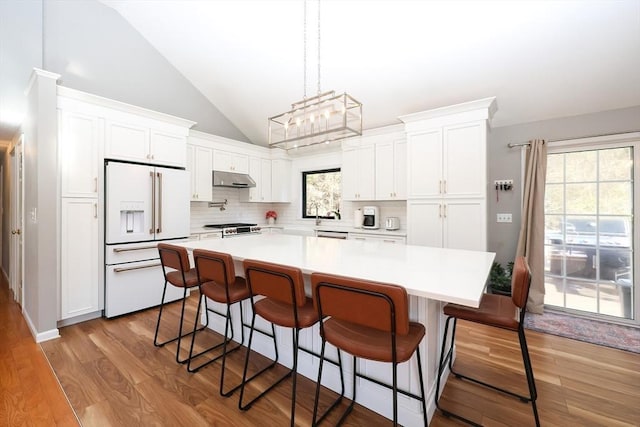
588	231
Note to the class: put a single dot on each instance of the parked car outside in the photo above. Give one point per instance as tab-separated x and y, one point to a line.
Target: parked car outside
576	241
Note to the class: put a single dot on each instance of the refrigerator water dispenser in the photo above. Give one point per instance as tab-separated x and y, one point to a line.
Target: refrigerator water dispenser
131	218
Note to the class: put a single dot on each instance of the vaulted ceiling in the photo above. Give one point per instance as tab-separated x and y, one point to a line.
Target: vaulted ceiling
542	59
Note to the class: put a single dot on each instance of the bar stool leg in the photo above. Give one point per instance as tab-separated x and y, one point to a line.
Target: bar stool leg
315	420
246	380
224	357
533	393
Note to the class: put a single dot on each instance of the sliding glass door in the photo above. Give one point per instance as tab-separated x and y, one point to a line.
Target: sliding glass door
589	230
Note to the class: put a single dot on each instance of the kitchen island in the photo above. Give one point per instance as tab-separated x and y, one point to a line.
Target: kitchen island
432	277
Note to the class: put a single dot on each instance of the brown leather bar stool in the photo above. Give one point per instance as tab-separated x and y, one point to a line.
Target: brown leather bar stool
285	304
499	311
177	272
218	282
368	320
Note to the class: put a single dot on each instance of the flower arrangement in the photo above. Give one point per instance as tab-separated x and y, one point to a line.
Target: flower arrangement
271	214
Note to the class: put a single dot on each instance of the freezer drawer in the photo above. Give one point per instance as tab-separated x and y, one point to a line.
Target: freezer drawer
130	252
135	286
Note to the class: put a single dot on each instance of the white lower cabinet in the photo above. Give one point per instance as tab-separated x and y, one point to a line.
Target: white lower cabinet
455	224
377	238
79	262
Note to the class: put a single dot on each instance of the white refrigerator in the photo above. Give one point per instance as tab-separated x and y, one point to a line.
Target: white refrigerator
144	205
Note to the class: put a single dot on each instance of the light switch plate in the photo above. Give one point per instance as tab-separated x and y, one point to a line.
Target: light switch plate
504	217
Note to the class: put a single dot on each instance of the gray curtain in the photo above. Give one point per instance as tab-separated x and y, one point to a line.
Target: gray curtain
531	240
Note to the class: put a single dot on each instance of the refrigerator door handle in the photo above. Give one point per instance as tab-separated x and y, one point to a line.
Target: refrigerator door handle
159	229
153	203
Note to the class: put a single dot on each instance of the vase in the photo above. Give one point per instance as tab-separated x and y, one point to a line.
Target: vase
271	221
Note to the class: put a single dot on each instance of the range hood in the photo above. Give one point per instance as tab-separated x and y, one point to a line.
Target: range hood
232	179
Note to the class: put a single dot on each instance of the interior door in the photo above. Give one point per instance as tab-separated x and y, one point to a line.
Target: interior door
17	208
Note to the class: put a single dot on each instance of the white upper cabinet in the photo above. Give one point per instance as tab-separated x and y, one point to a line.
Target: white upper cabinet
391	170
138	142
265	180
280	180
425	164
358	173
80	143
464	160
200	167
230	162
260	172
448	161
168	149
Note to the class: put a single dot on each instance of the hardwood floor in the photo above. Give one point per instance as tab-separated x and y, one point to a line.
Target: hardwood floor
29	391
113	375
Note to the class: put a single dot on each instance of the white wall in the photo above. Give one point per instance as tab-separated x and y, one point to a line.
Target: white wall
41	207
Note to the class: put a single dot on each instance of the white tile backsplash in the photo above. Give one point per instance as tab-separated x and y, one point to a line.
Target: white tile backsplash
288	213
235	210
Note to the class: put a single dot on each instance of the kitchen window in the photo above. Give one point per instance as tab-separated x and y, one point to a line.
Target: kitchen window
322	193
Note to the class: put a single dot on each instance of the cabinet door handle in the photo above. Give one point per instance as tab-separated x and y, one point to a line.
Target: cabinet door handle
440	187
445	187
439	210
95	184
389	241
95	210
445	210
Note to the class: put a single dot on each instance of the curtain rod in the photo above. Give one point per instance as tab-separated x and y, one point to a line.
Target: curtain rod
522	144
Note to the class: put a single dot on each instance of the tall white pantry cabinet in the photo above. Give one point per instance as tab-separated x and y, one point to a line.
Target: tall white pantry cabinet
81	140
447	175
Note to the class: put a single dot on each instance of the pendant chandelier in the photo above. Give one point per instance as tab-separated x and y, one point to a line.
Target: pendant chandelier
318	119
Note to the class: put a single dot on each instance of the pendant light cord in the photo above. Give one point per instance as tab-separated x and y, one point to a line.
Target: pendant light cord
318	47
305	51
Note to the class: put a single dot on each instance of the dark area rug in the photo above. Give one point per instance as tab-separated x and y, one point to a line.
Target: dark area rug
592	331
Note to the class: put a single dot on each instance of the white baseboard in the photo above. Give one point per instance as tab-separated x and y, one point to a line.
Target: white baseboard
40	336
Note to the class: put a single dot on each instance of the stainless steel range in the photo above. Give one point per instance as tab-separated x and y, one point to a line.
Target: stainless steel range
235	229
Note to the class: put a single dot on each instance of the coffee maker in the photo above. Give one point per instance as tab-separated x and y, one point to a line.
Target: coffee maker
370	217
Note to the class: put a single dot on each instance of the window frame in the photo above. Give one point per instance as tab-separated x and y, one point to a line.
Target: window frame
597	143
304	191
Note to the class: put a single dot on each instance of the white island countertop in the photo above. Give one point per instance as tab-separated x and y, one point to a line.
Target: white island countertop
448	275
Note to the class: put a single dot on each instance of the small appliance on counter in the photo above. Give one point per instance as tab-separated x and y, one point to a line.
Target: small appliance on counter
392	223
357	218
370	217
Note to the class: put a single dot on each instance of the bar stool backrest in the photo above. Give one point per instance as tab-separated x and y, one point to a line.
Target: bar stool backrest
278	282
520	282
214	267
173	256
366	303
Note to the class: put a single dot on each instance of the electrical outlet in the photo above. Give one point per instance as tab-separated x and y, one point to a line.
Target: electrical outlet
504	217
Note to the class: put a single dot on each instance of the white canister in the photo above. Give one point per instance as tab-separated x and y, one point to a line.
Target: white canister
357	218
